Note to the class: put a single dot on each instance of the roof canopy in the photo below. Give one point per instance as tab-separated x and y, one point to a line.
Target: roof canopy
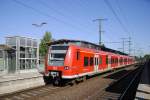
6	47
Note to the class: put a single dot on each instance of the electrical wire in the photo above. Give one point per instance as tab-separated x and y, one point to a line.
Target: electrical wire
124	16
116	16
46	15
59	12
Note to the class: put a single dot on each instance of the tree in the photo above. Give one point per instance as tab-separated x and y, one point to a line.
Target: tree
43	48
147	57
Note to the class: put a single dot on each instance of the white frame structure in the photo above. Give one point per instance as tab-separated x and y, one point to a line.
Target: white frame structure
26	57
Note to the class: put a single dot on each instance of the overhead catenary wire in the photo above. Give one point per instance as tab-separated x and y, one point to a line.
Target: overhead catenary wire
120	22
116	16
47	15
125	20
121	12
60	13
124	16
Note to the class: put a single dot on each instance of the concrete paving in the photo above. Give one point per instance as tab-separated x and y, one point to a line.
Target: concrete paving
143	91
20	81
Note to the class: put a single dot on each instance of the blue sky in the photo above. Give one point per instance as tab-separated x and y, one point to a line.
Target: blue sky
73	19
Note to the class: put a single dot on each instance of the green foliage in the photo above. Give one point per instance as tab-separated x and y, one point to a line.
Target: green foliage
43	48
147	57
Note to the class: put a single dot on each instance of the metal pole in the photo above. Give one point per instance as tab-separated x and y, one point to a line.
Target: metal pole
123	44
100	29
129	45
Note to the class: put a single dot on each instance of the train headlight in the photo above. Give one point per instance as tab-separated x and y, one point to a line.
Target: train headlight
66	68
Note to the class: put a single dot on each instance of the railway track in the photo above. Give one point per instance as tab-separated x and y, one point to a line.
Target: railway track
123	88
50	90
33	94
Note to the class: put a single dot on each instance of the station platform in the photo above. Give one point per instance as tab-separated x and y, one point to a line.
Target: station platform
143	90
20	81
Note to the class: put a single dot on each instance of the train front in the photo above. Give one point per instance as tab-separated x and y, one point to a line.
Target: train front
55	66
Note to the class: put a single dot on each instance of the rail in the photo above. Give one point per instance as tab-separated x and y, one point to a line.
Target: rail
126	95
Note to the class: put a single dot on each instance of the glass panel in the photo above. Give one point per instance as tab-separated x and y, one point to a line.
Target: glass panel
59	47
58	55
29	42
56	62
100	60
35	43
85	61
28	52
33	64
91	61
28	64
22	52
34	53
22	64
1	61
11	62
22	42
106	59
11	41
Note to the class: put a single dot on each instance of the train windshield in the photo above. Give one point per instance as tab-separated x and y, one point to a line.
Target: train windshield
57	55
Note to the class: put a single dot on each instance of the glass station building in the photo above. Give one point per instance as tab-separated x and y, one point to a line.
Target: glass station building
19	55
6	58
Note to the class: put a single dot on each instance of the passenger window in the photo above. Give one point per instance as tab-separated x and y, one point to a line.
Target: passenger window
109	61
100	60
91	61
106	59
78	55
112	61
85	61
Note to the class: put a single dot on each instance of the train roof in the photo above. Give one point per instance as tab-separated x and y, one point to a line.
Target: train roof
86	44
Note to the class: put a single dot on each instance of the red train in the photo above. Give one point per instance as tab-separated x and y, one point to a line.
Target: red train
74	59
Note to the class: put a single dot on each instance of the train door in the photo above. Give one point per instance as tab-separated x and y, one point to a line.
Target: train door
96	62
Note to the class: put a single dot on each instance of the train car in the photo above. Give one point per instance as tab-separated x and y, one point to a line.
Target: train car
74	59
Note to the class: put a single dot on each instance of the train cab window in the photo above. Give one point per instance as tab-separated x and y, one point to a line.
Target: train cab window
85	61
59	55
59	47
78	55
91	61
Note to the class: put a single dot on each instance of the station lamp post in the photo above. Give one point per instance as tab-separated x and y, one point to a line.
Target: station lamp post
39	25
